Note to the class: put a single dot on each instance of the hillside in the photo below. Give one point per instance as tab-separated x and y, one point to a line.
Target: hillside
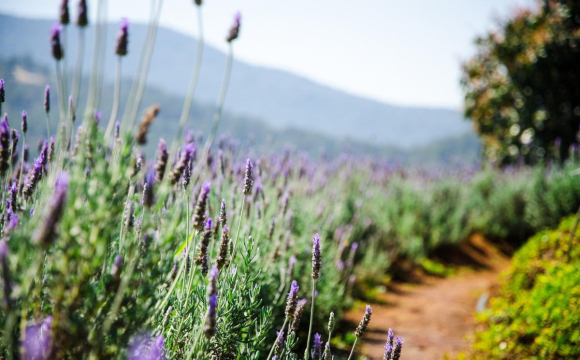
279	98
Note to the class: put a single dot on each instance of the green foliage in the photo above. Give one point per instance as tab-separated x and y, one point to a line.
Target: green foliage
535	314
522	87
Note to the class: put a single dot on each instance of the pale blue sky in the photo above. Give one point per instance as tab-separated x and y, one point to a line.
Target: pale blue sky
403	52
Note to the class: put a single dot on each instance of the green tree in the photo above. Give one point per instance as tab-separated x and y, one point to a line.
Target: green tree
522	88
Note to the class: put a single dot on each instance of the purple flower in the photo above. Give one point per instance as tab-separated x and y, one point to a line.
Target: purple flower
201	259
234	29
2	92
38	340
279	345
364	323
47	99
200	207
13	222
390	337
223	250
83	16
248	177
98	116
123	38
210	319
186	158
46	234
64	13
24	124
297	315
148	190
317	348
147	348
212	284
4	145
223	214
398	348
55	45
316	257
292	300
161	163
388	351
34	177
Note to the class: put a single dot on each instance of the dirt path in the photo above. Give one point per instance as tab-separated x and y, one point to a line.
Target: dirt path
435	316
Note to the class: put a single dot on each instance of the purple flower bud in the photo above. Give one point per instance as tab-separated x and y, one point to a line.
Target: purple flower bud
327	355
223	250
123	38
98	116
185	159
364	323
292	300
388	351
248	178
161	163
64	13
210	319
46	234
4	146
148	190
47	99
83	16
35	177
297	315
201	259
223	214
317	347
235	29
331	322
212	284
279	345
316	257
398	348
55	45
390	337
2	92
24	124
199	214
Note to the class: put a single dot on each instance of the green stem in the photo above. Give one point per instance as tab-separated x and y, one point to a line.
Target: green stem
76	85
116	96
47	126
277	339
234	247
353	346
307	353
217	115
192	85
61	93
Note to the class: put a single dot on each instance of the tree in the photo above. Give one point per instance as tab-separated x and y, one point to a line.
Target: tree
522	88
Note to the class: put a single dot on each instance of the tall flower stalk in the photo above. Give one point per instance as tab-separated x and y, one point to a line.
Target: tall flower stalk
82	22
121	51
316	265
193	82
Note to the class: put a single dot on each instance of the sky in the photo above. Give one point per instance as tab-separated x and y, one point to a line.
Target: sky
399	52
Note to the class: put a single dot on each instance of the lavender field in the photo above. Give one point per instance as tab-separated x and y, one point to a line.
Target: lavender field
137	224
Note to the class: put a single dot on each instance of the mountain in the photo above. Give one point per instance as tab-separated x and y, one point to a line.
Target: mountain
25	82
279	98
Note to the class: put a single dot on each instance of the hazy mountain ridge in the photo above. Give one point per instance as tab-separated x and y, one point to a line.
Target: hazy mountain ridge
25	82
279	98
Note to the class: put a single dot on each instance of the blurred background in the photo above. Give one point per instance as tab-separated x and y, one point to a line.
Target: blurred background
373	77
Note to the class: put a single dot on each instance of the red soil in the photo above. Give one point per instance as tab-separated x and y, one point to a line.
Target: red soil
436	316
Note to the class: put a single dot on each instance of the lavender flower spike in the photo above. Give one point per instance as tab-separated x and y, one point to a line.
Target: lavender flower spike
212	284
55	45
292	300
38	340
223	214
201	259
364	323
46	234
327	355
7	289
279	345
2	92
248	178
147	348
47	99
123	38
4	145
83	16
297	315
64	13
235	29
162	157
185	159
210	319
390	337
24	124
201	206
222	260
398	348
148	190
316	257
388	351
317	348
